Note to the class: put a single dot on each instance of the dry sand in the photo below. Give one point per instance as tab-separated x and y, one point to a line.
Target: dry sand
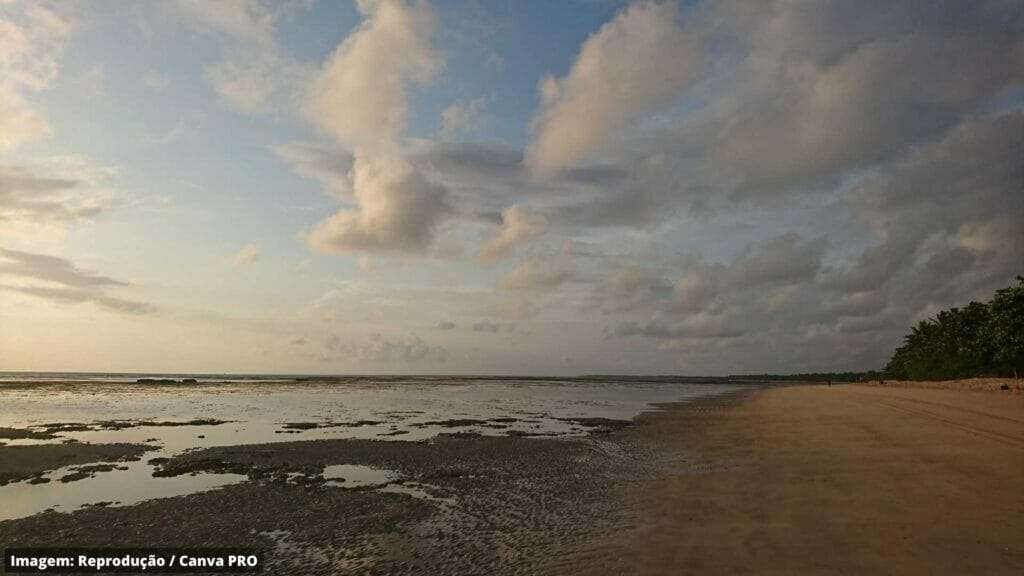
840	480
972	384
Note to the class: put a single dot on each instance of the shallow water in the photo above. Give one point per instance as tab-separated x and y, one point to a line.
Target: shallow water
357	476
117	488
258	412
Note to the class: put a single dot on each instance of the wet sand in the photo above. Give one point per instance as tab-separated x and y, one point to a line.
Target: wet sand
839	480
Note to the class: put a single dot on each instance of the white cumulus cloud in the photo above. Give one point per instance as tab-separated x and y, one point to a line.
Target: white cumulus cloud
360	95
635	64
32	39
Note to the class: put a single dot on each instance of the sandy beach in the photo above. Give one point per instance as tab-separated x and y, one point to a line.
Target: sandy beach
776	480
840	480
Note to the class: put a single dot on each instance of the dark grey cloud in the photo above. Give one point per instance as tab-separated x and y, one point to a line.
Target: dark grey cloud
538	274
876	147
59	280
493	327
51	269
693	329
329	165
782	260
765	287
889	117
26	196
820	93
628	287
377	348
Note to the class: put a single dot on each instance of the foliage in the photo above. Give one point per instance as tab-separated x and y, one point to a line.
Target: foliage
981	339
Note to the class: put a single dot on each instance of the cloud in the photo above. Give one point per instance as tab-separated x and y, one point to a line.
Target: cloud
493	327
495	62
818	94
871	152
249	254
254	75
248	20
59	280
463	117
636	64
398	210
156	81
785	259
763	278
485	326
92	82
768	285
517	225
359	98
695	327
42	200
535	274
247	85
32	39
625	288
360	95
50	269
751	184
328	165
377	348
949	213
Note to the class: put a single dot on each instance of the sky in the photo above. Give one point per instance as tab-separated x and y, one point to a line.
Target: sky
488	187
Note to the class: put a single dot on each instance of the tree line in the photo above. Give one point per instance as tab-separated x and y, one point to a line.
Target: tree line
980	339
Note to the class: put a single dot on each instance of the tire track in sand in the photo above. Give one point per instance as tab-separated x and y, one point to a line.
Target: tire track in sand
1007	439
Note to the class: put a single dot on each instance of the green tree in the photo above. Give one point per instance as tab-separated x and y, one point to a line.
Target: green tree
980	339
1005	330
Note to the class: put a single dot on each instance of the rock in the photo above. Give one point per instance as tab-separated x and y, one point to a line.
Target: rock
93	468
75	476
453	423
21	433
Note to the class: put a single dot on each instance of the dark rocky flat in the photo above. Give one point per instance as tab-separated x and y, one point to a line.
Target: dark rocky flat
463	504
25	434
25	462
